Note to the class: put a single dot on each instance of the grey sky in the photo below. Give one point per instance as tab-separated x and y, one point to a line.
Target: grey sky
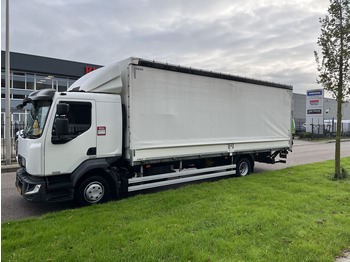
270	40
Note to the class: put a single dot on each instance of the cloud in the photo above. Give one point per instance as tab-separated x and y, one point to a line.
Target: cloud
269	40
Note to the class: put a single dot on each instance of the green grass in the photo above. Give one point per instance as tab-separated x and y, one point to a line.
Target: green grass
295	214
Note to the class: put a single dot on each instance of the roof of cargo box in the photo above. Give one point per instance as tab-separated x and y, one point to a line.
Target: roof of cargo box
200	72
107	79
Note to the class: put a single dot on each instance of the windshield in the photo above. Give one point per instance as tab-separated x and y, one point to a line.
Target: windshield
36	118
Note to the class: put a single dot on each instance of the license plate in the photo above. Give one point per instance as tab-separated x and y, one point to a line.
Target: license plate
19	190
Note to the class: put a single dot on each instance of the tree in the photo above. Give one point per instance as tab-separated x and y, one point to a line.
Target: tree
334	69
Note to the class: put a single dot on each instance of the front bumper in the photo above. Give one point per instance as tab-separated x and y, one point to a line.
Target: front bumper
30	187
41	189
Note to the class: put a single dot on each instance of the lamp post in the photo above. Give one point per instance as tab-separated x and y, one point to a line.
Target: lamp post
7	94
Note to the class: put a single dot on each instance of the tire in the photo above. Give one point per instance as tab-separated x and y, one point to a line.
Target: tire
93	190
243	167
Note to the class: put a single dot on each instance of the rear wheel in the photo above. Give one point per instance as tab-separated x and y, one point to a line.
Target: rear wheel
93	190
243	167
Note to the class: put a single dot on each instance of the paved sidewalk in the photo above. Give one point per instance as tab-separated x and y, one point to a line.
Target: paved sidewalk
9	168
344	258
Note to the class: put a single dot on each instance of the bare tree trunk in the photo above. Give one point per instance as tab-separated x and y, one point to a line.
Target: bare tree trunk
339	98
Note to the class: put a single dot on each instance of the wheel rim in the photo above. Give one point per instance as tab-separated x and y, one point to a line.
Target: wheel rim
243	169
94	192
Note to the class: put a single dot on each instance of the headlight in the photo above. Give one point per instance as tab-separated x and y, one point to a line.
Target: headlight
33	189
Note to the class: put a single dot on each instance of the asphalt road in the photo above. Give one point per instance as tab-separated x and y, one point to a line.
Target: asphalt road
14	207
305	152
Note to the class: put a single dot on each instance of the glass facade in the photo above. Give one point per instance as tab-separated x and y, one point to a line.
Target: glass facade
31	82
22	84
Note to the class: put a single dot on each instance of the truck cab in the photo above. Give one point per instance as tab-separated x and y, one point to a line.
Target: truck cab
68	135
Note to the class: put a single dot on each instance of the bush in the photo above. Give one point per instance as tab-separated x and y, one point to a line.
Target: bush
305	135
309	136
344	174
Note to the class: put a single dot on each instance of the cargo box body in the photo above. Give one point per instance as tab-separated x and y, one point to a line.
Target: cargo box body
177	112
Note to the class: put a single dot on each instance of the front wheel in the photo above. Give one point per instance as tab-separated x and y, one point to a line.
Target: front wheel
243	167
93	190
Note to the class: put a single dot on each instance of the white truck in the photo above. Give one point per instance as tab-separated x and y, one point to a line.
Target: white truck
140	124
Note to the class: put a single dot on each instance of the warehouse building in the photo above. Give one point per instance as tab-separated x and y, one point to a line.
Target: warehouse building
329	110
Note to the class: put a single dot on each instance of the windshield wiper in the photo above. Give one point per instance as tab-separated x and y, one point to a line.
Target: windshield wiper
32	136
28	135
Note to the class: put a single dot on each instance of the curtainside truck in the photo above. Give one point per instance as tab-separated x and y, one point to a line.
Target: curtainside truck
140	124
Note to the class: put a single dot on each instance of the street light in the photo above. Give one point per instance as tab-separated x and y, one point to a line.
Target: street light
7	94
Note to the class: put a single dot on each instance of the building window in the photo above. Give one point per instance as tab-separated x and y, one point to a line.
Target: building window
15	96
30	81
71	81
3	77
43	82
60	84
18	81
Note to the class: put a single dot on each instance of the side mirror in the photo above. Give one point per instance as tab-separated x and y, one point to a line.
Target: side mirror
62	127
62	109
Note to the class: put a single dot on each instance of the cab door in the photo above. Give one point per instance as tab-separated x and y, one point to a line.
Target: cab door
64	155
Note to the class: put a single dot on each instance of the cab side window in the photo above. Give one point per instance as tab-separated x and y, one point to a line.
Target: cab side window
79	118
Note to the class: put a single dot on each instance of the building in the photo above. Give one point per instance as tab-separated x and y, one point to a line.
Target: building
329	110
29	73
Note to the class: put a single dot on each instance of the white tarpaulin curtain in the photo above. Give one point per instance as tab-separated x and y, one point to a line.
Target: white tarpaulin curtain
177	109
